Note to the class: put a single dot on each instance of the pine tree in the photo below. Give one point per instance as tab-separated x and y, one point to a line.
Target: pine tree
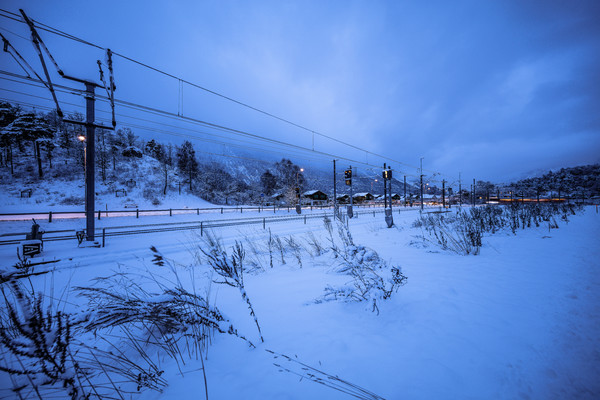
8	114
186	160
27	127
268	182
288	175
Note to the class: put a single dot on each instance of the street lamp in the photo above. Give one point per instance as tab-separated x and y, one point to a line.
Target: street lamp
372	185
81	137
421	178
298	187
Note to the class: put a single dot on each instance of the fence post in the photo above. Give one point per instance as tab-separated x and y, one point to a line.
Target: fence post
373	213
241	210
49	216
137	212
304	219
197	211
98	215
221	210
264	222
170	212
103	236
274	209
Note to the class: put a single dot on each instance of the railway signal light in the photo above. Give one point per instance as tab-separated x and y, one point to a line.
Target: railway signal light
348	176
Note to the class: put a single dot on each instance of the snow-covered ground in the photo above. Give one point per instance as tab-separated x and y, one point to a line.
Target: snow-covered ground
520	320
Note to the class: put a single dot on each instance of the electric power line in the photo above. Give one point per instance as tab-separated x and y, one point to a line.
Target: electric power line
58	32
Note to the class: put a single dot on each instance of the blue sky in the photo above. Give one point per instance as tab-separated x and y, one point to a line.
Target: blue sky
492	89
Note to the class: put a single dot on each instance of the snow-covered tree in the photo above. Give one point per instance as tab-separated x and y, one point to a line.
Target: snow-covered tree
288	175
27	127
268	183
186	161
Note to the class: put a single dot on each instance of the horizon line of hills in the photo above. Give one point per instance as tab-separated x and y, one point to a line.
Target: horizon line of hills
39	146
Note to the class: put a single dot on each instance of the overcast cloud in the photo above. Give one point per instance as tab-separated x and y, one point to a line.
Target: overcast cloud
489	89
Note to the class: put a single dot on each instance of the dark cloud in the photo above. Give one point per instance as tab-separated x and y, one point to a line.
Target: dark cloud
486	88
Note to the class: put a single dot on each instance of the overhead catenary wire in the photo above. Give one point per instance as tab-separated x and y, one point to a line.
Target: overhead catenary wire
187	136
47	28
274	150
199	122
223	128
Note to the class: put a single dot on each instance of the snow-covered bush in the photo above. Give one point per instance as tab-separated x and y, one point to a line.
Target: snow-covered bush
132	151
230	267
372	278
73	201
45	353
462	233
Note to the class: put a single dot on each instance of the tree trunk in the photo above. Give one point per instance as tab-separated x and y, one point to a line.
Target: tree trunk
12	167
165	170
39	159
190	181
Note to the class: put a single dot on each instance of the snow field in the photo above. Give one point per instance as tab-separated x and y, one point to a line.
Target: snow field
520	320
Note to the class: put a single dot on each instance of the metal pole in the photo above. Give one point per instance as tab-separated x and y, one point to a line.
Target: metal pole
351	192
334	191
90	187
390	191
421	179
384	189
444	193
459	191
404	190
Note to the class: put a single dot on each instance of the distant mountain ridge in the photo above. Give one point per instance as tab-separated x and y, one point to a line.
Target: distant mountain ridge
581	179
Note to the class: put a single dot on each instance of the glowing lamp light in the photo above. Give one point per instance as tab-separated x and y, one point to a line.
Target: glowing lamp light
81	137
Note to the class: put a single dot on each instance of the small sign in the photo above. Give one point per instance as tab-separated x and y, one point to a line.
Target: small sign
32	247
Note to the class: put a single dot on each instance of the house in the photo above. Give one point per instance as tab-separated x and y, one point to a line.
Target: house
343	199
278	198
430	199
396	197
362	197
314	197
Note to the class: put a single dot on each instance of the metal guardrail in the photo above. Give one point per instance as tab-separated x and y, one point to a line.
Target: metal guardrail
180	211
127	230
